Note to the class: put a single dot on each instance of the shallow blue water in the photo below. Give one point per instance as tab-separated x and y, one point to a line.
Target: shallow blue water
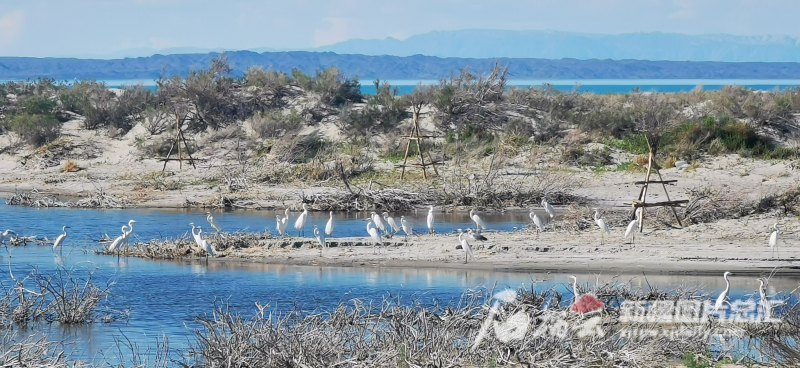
164	297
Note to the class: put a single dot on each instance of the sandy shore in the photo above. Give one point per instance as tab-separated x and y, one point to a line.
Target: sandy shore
706	249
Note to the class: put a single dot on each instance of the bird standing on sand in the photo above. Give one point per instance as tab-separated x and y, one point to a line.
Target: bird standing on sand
724	296
300	223
376	219
392	224
774	238
329	225
214	223
430	221
602	225
280	225
536	222
479	224
476	236
60	238
320	239
465	246
632	225
407	229
373	233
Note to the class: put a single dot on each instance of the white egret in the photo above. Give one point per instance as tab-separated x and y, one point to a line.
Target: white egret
126	234
320	239
329	225
373	233
214	223
722	297
430	221
479	224
117	240
285	220
5	235
376	219
575	288
197	239
766	305
774	238
300	223
280	225
548	208
392	224
407	229
537	222
60	238
632	225
602	225
465	246
204	245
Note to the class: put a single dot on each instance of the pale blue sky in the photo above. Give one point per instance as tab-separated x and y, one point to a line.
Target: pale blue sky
82	27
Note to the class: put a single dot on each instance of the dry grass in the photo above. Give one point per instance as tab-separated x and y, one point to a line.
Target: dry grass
70	166
669	162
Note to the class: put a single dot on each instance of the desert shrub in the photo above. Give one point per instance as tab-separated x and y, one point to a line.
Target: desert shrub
159	147
273	124
723	135
334	87
156	120
266	89
38	105
467	99
35	129
577	155
119	113
382	113
614	121
633	143
298	149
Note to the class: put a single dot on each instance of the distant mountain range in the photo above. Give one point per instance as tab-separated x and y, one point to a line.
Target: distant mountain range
558	45
548	45
390	67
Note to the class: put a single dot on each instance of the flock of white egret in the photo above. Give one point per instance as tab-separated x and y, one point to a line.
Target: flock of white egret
382	226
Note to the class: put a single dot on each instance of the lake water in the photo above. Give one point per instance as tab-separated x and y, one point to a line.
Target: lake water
164	297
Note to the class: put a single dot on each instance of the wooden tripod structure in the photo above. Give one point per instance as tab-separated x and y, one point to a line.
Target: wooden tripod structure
642	201
416	136
176	143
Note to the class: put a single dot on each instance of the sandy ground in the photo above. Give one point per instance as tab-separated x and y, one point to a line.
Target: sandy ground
734	245
739	246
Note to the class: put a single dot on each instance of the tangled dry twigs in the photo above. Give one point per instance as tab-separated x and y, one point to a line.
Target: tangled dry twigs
98	199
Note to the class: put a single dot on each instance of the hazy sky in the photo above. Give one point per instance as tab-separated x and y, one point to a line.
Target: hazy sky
81	27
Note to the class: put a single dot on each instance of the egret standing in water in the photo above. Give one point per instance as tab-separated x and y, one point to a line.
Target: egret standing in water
766	305
373	233
214	223
127	234
196	236
430	221
407	229
300	223
285	220
320	239
536	222
465	246
5	235
117	241
204	245
632	225
392	224
329	225
602	225
724	296
479	224
60	238
774	238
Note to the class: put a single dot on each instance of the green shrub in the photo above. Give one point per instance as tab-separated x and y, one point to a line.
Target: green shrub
38	105
35	129
275	124
633	143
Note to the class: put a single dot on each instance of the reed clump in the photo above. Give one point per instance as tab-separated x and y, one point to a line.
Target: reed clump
391	333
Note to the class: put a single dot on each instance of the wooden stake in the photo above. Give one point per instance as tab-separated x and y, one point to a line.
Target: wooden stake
674	212
643	197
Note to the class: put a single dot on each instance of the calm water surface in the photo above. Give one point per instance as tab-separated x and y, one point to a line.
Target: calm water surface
164	297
